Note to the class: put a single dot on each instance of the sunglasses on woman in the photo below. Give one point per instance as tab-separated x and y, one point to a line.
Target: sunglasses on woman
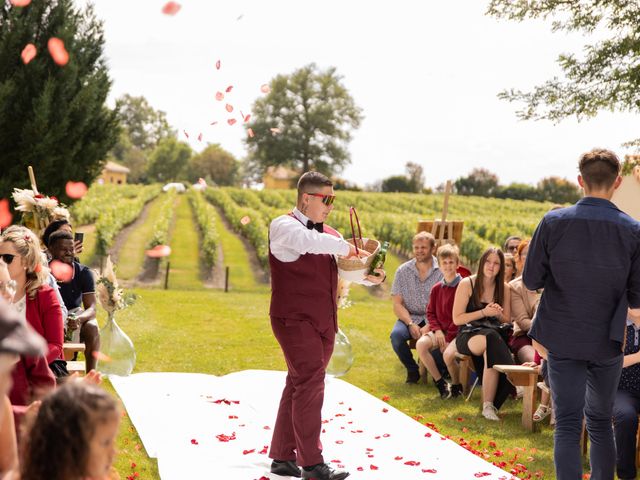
7	258
326	199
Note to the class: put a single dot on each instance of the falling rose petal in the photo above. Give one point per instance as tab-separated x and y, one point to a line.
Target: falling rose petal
57	51
5	213
103	358
75	189
231	121
20	3
218	65
250	132
229	88
159	251
245	220
265	88
171	8
63	272
219	96
228	108
247	117
215	122
275	130
200	137
185	133
28	53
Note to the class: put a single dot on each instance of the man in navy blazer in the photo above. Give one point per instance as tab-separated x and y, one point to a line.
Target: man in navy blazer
587	259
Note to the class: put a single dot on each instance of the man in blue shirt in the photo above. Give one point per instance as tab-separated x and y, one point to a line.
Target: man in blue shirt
587	259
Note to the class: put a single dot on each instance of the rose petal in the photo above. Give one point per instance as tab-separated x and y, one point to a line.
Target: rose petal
265	88
228	108
5	213
229	88
385	410
219	96
250	132
171	8
20	3
185	133
75	189
28	53
247	452
200	137
373	467
218	65
429	470
57	51
159	251
385	398
245	220
231	121
194	441
247	117
63	272
102	358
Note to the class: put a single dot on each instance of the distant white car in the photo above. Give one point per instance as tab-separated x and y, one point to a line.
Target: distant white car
179	187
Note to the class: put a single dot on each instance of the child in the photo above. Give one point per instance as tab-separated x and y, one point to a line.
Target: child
73	435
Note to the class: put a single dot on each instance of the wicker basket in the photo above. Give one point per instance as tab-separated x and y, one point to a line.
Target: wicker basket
355	269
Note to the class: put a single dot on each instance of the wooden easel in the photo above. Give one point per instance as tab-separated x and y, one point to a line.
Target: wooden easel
444	231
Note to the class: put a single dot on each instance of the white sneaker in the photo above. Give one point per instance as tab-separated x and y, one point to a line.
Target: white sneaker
490	412
519	391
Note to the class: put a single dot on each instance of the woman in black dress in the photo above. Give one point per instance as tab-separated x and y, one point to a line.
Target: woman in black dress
482	309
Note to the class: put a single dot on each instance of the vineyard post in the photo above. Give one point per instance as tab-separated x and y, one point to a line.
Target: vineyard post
445	211
226	279
166	276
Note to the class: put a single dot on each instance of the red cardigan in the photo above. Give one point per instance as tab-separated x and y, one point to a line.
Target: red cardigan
440	310
45	316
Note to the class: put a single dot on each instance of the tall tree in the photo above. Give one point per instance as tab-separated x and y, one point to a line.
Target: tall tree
169	161
605	77
312	113
415	173
215	164
558	190
145	125
53	117
479	182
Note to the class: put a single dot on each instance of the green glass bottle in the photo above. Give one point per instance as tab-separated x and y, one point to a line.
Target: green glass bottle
379	259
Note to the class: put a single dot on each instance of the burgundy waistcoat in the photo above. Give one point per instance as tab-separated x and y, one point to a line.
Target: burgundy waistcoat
306	288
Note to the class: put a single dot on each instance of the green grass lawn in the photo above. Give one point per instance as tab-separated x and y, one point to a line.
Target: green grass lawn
192	329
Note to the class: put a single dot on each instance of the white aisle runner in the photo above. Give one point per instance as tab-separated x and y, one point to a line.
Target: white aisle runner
206	427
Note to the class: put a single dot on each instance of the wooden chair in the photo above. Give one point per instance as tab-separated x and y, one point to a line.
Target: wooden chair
70	350
465	366
421	367
527	378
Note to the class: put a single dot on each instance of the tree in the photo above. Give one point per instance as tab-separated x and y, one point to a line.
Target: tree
313	113
415	172
53	117
144	125
169	161
606	77
558	190
397	183
215	164
518	191
479	182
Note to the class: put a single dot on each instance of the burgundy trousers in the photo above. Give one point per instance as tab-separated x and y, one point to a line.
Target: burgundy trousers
307	350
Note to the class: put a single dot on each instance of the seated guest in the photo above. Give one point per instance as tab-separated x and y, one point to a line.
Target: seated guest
73	435
410	295
524	304
16	340
31	376
627	401
65	226
510	268
481	306
34	299
79	292
511	244
442	330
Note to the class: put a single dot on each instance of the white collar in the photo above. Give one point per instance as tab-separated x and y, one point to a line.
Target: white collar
300	216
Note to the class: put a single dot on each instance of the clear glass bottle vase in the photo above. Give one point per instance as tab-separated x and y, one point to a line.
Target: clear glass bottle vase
342	357
119	354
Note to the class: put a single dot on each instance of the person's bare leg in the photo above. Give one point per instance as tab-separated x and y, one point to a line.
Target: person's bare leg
90	336
424	345
526	354
449	357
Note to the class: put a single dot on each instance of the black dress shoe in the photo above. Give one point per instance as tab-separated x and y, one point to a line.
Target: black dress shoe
413	377
285	468
322	471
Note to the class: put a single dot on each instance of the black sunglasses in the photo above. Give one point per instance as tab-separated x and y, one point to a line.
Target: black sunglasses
7	258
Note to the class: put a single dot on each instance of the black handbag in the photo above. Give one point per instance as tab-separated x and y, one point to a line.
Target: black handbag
59	368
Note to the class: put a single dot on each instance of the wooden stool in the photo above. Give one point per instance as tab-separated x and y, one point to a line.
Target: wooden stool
527	378
465	366
70	350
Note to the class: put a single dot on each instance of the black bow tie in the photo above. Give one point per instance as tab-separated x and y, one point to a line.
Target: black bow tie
318	226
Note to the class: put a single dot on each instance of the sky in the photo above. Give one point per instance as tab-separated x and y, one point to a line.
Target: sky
426	75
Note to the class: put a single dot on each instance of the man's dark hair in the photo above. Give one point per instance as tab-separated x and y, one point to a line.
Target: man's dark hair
311	181
55	237
51	228
599	168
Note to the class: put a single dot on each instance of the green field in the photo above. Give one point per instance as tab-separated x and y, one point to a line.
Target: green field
193	328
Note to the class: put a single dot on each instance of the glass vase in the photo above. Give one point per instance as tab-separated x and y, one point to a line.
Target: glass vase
118	354
342	357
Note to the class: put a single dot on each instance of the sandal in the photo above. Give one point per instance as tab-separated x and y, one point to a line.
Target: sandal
542	412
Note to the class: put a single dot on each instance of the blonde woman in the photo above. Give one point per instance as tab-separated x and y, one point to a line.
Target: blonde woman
35	301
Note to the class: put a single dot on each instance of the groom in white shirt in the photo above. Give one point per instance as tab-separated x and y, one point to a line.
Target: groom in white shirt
304	279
